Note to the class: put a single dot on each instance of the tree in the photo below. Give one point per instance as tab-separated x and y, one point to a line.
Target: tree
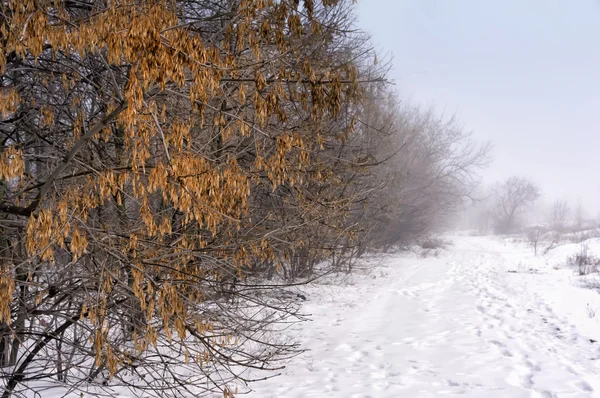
533	236
513	196
579	217
153	155
167	167
432	169
559	215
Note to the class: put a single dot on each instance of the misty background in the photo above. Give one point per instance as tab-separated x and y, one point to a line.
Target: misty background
524	75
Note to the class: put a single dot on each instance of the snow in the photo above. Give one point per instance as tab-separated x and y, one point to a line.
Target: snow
484	318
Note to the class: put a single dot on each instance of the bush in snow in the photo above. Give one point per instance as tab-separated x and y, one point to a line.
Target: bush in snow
583	261
533	237
433	243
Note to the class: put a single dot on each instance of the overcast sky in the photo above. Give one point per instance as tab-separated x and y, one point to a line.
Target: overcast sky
524	74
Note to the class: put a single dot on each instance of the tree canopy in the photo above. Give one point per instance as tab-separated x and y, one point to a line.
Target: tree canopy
162	160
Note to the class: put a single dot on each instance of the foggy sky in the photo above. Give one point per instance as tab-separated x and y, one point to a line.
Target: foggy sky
524	74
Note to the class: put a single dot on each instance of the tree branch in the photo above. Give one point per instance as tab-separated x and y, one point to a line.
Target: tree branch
71	155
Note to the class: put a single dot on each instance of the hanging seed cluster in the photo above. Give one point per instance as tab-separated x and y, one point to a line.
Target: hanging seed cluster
162	134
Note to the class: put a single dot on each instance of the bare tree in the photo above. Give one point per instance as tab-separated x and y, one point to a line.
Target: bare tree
559	214
513	196
477	213
579	216
533	236
434	170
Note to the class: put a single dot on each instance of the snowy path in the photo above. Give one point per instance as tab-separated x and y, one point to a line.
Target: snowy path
459	324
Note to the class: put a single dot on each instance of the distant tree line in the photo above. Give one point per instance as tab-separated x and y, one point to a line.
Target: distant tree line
513	205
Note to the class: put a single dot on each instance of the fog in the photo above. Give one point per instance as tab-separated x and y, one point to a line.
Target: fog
524	75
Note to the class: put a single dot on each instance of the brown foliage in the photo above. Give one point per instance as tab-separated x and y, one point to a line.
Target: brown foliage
155	153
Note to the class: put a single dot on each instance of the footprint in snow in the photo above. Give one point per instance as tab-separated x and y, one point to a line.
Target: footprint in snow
452	383
507	353
545	394
584	386
378	366
533	366
329	387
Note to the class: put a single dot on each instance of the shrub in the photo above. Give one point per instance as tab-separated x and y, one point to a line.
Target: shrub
433	243
583	261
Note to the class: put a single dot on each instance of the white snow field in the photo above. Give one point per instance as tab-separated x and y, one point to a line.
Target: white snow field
485	318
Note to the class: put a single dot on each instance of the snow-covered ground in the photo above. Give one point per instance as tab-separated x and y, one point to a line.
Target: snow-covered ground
485	318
